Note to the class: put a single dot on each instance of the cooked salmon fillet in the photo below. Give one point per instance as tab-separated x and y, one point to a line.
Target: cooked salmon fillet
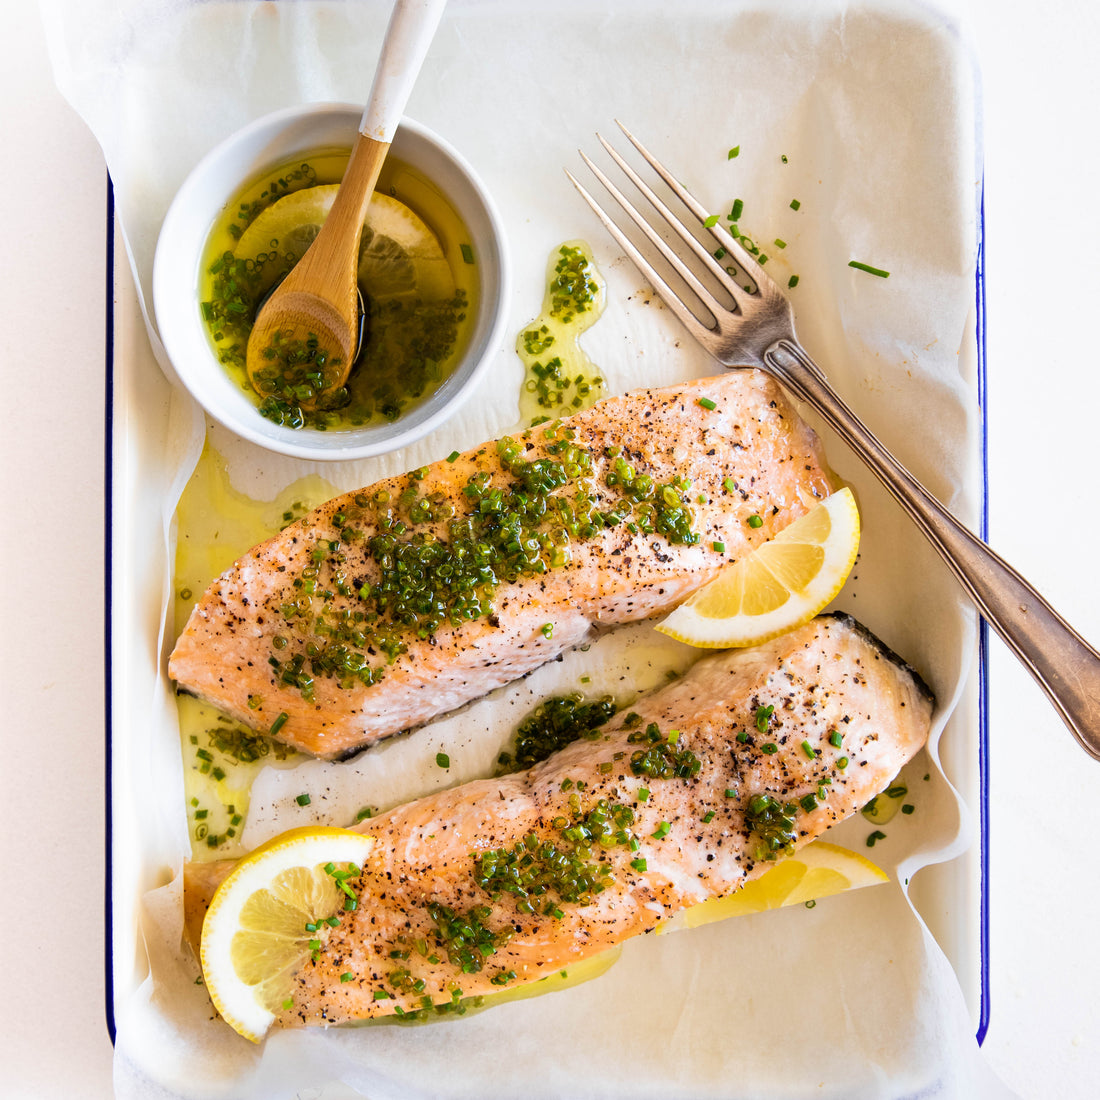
388	606
752	753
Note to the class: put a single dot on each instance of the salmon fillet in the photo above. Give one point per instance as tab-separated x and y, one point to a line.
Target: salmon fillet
388	606
683	818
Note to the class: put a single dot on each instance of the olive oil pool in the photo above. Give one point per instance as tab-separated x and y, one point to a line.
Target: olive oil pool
417	277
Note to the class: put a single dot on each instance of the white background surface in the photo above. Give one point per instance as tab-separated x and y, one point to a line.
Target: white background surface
1042	180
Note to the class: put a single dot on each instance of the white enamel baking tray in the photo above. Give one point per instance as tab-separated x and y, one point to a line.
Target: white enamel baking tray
141	405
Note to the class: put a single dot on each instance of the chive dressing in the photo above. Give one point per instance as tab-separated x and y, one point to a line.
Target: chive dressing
215	525
559	377
410	347
884	807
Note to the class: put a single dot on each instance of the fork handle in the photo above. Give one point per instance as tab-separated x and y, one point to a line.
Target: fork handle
1065	666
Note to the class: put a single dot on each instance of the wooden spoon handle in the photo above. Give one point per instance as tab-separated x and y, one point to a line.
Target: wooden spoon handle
344	224
411	29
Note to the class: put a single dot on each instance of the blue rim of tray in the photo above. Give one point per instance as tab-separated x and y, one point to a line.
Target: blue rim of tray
108	545
983	633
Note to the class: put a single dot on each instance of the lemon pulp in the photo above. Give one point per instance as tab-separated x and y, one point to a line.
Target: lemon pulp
269	915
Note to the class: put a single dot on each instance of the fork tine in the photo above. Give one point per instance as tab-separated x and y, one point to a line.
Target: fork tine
685	272
718	232
668	295
706	257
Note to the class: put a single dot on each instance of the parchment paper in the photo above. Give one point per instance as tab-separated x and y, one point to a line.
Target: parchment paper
865	113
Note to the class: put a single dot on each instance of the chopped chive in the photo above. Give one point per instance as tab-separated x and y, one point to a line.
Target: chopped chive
876	835
836	738
442	759
643	794
452	456
729	484
743	737
638	864
707	403
735	210
842	762
708	817
783	158
731	792
771	748
711	221
755	521
380	995
735	151
278	724
547	630
467	253
808	802
719	253
347	976
795	204
302	799
869	269
809	750
792	282
779	243
720	547
662	831
908	808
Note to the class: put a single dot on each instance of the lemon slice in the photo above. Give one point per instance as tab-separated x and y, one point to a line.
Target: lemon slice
813	872
255	934
779	586
400	258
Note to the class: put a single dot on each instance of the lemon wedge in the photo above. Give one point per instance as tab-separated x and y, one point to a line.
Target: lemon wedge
779	586
400	258
268	915
813	872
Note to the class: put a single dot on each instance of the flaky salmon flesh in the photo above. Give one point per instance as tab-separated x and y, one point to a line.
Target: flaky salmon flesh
391	605
499	882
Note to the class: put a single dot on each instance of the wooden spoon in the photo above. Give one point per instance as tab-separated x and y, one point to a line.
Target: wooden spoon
312	317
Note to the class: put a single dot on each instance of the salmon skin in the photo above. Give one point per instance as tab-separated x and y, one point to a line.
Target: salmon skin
388	606
751	754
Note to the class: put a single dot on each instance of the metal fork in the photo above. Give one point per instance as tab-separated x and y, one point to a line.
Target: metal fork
759	332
